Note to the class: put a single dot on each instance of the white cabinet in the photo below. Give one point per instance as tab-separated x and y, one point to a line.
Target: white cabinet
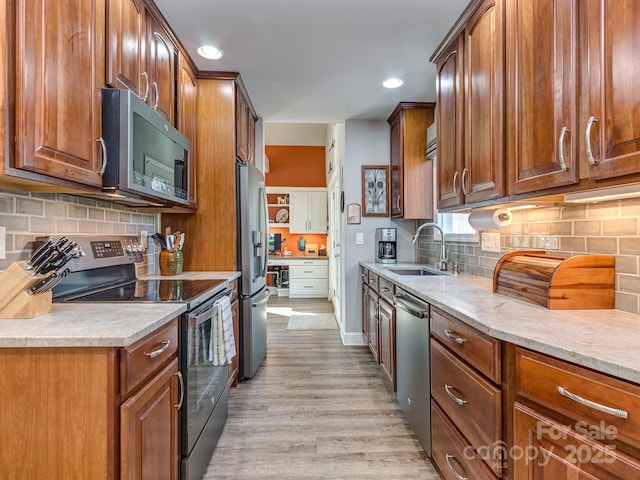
308	278
308	211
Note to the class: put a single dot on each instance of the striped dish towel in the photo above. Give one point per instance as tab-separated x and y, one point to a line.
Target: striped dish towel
224	313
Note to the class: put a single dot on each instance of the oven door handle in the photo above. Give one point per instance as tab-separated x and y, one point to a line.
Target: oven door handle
181	381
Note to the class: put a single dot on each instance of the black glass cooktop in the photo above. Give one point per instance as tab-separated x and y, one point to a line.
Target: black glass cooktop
177	291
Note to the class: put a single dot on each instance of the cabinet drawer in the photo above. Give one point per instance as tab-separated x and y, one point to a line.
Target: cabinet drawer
308	271
365	276
308	288
476	348
451	451
386	289
539	378
471	402
554	451
140	360
373	280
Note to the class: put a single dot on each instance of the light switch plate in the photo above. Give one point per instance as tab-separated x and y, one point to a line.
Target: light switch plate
491	242
3	243
359	238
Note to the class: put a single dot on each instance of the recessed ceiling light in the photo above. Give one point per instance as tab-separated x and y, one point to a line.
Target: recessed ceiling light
392	83
209	52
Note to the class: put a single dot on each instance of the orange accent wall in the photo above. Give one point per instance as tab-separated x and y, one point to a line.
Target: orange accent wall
292	239
295	166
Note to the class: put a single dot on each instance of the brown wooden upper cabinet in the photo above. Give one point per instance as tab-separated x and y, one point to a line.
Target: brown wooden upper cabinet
59	69
245	128
572	97
474	131
610	107
141	55
411	182
188	119
542	131
126	65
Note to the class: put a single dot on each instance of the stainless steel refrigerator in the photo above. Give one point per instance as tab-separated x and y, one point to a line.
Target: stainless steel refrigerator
252	261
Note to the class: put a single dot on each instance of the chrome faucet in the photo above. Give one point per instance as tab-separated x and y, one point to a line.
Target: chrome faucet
443	251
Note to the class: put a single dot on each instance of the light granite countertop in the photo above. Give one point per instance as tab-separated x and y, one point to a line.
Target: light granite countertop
97	324
603	340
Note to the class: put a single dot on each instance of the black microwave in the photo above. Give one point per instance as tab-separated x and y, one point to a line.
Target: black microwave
146	157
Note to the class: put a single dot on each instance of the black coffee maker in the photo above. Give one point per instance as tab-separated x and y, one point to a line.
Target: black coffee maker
386	245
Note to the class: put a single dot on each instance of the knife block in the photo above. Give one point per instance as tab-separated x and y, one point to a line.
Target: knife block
15	299
579	282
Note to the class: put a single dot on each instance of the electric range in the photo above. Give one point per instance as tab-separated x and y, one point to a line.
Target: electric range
104	271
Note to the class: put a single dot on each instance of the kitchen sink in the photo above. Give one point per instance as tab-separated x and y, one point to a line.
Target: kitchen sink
416	271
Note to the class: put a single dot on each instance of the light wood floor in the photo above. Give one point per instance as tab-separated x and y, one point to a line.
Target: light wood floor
316	410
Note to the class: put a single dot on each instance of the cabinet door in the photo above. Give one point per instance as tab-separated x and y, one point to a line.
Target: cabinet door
298	212
387	332
449	112
552	450
243	114
317	212
365	311
610	74
187	118
149	429
161	58
396	168
59	72
541	94
373	323
483	175
125	46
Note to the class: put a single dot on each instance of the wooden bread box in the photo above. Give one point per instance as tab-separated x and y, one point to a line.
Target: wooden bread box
557	283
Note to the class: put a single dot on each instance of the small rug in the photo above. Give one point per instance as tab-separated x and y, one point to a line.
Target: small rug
313	321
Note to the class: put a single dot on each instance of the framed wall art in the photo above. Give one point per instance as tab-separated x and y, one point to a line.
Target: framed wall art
375	191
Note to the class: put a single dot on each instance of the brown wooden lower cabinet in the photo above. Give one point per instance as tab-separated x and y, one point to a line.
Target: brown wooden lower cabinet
451	451
234	366
387	341
65	413
149	425
546	449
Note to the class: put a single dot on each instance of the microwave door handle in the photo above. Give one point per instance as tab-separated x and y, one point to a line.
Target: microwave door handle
104	156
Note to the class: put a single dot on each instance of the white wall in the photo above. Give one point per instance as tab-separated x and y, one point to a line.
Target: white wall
301	134
367	142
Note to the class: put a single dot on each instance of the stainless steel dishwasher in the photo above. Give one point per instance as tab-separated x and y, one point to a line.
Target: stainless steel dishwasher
412	364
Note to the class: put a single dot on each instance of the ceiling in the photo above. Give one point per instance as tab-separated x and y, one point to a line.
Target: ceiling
322	61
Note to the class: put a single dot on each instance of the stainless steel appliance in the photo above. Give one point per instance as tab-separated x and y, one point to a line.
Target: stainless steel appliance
386	245
252	261
412	364
145	157
105	272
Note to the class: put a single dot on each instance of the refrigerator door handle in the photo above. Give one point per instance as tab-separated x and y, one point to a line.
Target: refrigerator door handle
266	295
263	212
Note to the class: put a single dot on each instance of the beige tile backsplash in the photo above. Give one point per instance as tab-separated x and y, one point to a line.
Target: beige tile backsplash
608	227
29	215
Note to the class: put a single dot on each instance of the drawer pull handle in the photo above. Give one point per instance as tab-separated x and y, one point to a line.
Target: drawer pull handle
163	348
448	458
454	337
454	397
181	380
596	406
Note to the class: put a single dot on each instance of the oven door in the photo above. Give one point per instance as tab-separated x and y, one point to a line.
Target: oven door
206	370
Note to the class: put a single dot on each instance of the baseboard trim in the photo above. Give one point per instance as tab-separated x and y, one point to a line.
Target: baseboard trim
353	339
